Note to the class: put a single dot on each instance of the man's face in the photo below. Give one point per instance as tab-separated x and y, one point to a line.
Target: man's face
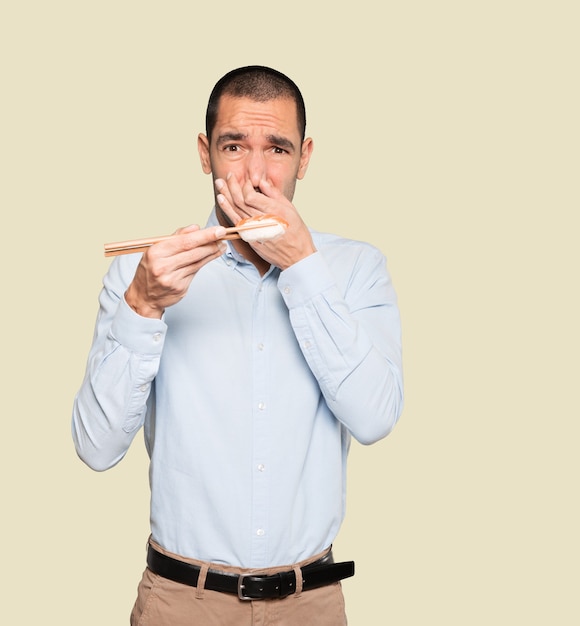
256	140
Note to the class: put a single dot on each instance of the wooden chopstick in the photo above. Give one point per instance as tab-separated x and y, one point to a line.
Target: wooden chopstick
140	245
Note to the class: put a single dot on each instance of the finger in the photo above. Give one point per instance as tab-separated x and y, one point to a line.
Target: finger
201	238
206	254
187	229
169	287
234	209
236	194
187	239
191	262
254	198
222	189
186	262
269	190
229	211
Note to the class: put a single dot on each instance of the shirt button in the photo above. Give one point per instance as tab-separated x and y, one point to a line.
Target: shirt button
261	467
157	337
287	290
307	344
261	406
144	387
260	347
260	532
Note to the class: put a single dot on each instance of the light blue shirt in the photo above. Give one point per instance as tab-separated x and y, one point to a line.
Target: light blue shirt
249	390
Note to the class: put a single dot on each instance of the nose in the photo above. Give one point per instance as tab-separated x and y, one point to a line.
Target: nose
256	167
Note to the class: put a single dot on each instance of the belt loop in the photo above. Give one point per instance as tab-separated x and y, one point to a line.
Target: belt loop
299	581
200	587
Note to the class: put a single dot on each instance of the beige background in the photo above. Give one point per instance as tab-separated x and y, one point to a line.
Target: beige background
447	134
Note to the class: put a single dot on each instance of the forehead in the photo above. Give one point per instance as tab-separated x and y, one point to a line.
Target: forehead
244	115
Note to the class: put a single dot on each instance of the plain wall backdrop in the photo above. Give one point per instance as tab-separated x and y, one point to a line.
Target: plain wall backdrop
447	134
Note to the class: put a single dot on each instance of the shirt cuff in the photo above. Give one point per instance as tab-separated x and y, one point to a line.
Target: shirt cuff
143	335
304	280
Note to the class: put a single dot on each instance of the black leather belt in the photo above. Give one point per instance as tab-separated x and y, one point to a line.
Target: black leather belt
254	586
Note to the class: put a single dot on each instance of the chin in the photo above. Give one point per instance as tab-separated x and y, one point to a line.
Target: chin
223	219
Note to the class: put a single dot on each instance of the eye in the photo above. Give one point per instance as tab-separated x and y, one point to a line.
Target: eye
278	150
231	148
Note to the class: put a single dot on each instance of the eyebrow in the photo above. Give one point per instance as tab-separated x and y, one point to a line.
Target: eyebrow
230	137
277	140
282	142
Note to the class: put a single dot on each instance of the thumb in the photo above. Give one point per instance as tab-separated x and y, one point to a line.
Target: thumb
187	229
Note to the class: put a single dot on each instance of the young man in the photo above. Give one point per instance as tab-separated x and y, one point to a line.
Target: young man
250	366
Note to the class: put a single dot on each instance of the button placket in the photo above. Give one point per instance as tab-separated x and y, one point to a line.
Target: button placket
260	387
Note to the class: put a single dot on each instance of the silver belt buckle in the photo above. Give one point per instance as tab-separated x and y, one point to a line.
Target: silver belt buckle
241	595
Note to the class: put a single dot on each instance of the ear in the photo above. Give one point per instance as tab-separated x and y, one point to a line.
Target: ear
203	149
305	154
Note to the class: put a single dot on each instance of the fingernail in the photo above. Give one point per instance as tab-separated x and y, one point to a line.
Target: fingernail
220	198
219	183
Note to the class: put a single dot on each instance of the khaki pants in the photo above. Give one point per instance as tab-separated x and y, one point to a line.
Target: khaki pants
162	602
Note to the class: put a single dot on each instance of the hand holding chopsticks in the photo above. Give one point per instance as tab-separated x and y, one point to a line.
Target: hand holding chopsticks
140	245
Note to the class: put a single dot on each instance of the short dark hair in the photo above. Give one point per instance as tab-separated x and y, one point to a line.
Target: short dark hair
259	83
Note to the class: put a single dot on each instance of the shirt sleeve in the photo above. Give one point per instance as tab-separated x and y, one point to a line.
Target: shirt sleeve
112	401
348	326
